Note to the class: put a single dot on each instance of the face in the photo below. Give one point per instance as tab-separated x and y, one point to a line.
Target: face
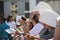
21	22
33	21
11	19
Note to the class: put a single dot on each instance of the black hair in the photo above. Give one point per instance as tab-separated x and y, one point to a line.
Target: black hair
8	18
23	18
35	17
3	20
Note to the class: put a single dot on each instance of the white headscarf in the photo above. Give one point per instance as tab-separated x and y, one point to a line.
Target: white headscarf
17	19
42	6
49	17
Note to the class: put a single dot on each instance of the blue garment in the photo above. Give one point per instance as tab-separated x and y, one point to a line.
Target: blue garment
4	39
3	33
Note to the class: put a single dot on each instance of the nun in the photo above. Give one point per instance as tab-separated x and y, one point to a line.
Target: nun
48	20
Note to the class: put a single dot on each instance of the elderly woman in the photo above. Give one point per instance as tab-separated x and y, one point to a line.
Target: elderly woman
48	19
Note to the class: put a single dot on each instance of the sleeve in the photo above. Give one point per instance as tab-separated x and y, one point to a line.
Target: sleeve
48	36
36	30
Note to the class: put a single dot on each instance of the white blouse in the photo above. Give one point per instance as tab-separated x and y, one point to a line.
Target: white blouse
36	29
11	24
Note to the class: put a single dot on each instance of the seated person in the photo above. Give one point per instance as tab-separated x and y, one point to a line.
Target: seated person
36	28
48	19
24	25
49	23
3	34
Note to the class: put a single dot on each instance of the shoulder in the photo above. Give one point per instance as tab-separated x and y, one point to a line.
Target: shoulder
3	24
39	25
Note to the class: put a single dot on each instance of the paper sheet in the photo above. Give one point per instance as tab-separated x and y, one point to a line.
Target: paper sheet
10	30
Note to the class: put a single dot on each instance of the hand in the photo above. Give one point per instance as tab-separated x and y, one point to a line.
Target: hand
58	23
27	35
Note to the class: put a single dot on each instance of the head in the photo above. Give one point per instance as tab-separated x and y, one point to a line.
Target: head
22	20
10	18
33	13
48	19
35	19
